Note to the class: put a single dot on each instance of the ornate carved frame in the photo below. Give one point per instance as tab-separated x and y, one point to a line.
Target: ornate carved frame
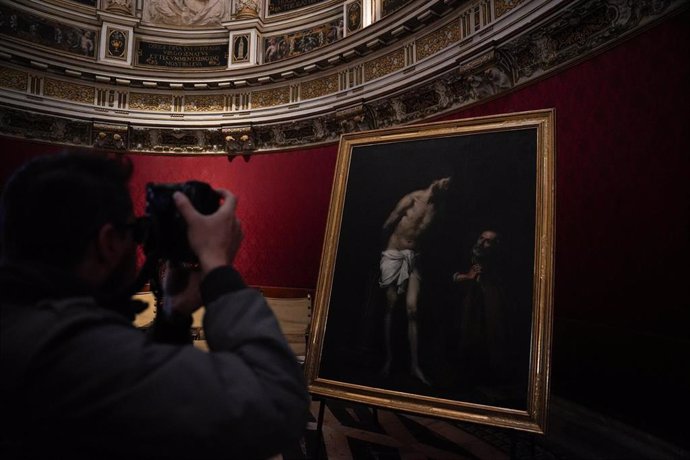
341	361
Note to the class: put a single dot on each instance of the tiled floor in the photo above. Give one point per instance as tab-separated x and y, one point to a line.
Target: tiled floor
353	431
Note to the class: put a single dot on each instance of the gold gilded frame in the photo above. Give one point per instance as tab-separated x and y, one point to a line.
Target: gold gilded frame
339	366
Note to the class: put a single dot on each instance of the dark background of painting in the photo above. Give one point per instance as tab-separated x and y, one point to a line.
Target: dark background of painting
493	187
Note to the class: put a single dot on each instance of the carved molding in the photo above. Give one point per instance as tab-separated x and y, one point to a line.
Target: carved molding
110	136
119	6
30	125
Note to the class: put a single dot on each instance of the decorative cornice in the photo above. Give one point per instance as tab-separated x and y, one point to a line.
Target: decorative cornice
327	13
398	85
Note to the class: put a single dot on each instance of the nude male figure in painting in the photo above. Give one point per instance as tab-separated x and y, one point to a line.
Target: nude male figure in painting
400	276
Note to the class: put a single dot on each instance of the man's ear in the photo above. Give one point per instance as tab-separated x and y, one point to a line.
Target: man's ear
108	245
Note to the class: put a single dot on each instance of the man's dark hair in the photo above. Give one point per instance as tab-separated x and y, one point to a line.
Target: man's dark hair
54	205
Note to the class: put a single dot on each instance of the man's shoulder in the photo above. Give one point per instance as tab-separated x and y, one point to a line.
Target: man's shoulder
27	327
49	314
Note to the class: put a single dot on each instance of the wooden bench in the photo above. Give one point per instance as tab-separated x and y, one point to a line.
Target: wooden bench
291	306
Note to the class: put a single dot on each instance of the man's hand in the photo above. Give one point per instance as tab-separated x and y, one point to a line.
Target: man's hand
473	274
181	292
215	238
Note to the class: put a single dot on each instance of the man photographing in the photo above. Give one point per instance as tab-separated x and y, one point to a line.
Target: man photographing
79	381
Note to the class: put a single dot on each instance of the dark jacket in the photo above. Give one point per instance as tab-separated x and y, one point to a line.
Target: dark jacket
79	381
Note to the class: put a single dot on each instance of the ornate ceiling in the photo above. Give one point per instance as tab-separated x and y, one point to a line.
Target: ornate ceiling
214	76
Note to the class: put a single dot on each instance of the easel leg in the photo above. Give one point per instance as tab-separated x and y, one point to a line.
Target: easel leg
319	429
529	438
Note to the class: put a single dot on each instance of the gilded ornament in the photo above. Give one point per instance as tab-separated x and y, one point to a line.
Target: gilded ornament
13	79
320	87
438	40
151	102
207	103
501	7
271	97
384	65
68	91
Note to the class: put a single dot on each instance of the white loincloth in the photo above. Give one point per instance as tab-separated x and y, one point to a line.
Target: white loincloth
396	267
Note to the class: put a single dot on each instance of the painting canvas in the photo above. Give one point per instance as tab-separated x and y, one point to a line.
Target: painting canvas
435	289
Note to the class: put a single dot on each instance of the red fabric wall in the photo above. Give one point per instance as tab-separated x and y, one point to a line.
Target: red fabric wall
621	316
282	202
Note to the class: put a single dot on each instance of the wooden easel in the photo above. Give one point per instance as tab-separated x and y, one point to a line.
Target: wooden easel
515	436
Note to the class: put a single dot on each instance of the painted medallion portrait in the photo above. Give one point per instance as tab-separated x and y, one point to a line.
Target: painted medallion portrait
117	44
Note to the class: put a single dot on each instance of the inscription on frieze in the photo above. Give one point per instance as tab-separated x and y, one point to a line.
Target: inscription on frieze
151	54
283	6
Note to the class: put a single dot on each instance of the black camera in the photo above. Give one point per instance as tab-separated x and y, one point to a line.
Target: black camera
168	230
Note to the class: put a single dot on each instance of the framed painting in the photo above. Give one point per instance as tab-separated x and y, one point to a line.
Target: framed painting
435	292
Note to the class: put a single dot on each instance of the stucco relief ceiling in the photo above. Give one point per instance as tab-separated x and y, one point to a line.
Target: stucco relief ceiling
207	77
